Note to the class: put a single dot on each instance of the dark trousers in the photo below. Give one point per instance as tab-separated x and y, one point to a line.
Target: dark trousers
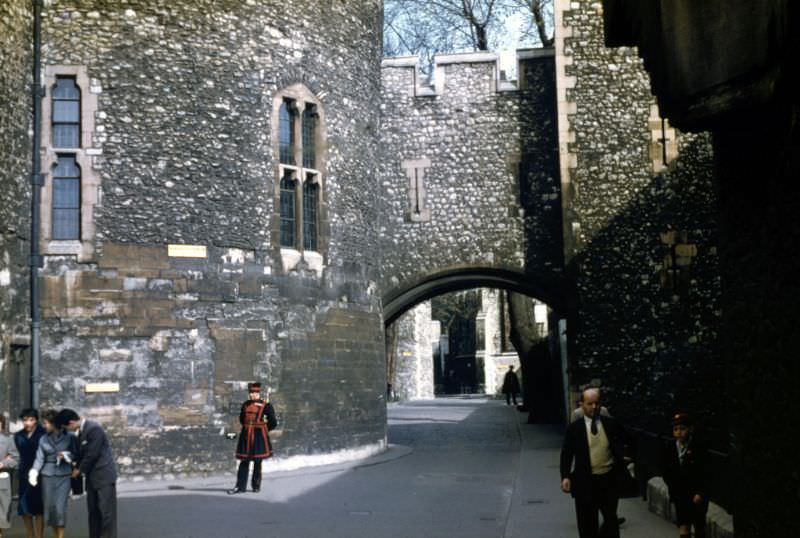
602	498
690	514
244	468
102	506
510	395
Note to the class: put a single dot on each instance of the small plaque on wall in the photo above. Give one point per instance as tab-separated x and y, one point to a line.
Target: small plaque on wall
101	387
187	251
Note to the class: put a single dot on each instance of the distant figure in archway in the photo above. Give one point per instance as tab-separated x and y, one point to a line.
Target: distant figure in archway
510	385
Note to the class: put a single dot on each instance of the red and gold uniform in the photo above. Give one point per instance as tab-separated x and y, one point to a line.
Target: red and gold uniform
257	418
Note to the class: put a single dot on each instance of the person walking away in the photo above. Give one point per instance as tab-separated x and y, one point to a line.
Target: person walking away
53	466
510	385
96	463
592	463
30	497
9	456
257	417
685	470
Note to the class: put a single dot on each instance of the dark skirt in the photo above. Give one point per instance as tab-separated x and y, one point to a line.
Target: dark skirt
253	443
30	498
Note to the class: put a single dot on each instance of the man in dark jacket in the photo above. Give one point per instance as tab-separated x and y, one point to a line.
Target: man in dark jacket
685	470
595	445
510	385
96	463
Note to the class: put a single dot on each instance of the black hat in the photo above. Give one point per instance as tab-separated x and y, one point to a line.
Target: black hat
681	419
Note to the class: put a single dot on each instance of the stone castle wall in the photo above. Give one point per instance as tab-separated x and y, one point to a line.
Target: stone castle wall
16	46
414	354
183	147
418	179
640	237
486	155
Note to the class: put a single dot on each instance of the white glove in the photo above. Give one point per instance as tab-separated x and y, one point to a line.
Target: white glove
33	477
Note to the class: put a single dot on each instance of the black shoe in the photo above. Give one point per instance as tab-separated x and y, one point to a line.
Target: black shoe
234	491
256	490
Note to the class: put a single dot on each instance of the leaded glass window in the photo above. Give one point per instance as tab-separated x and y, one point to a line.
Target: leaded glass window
309	133
288	210
66	113
66	199
310	202
286	119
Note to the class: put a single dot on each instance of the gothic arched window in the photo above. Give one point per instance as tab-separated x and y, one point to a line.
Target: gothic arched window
66	205
66	113
299	127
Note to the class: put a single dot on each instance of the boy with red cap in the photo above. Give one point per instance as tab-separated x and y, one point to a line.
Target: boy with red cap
257	417
685	470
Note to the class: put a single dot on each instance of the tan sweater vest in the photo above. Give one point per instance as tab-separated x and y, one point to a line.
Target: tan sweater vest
600	451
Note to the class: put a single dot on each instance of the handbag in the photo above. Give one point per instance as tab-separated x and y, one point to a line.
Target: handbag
76	485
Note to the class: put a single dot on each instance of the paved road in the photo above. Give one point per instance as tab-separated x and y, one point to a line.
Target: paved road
465	468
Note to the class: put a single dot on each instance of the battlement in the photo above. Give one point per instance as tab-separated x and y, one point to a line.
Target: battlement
422	85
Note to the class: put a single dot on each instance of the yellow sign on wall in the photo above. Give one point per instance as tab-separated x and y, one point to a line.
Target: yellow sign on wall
187	251
101	387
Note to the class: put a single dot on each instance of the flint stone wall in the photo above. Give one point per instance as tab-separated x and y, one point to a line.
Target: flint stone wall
414	354
491	188
16	45
644	244
185	93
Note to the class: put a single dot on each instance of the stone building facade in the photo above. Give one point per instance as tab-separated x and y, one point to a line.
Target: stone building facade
640	234
212	239
178	286
470	175
15	170
411	344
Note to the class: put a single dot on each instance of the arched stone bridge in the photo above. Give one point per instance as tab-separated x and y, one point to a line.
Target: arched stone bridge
470	189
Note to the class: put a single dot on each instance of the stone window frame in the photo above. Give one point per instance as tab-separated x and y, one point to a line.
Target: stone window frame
300	96
84	155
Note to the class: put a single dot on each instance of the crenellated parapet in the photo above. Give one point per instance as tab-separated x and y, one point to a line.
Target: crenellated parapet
469	173
405	71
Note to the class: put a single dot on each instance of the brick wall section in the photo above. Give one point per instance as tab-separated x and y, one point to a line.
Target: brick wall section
488	152
16	46
184	123
653	347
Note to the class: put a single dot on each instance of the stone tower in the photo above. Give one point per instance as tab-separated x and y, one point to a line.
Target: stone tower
209	219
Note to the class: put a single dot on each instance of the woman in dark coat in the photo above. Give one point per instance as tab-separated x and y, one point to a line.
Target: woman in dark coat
685	470
30	505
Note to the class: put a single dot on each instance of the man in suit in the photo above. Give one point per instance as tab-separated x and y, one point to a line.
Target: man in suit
592	462
96	463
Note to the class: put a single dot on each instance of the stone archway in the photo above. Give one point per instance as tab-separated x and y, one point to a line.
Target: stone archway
543	359
549	288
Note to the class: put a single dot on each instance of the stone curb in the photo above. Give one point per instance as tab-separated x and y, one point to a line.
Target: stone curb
180	485
719	523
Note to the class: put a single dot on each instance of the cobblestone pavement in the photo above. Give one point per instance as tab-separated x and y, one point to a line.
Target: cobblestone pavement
459	467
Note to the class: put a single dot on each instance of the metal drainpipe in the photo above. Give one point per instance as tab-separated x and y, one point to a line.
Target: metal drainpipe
37	180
